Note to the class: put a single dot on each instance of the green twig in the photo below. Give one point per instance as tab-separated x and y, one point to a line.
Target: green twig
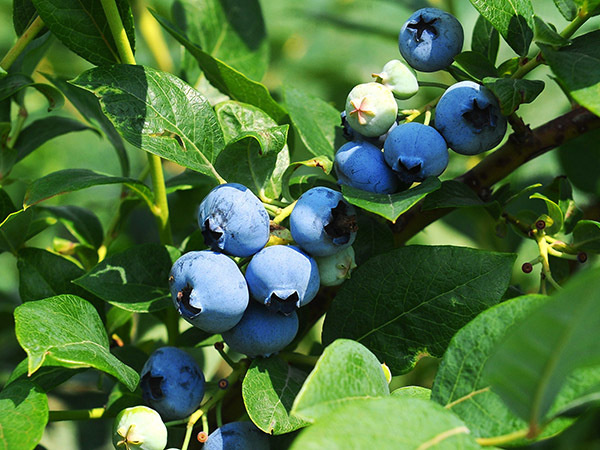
28	35
161	207
433	84
78	414
284	213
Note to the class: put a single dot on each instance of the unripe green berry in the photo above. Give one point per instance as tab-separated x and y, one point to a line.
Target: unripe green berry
335	269
398	77
139	428
371	109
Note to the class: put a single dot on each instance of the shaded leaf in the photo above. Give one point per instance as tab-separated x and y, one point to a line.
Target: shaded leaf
513	92
390	206
321	162
47	377
225	78
43	274
546	34
567	8
159	113
389	423
80	222
530	366
577	66
269	389
67	331
586	236
554	212
486	39
24	14
454	194
314	119
69	180
512	18
82	26
476	65
417	300
346	371
13	83
23	415
135	280
231	31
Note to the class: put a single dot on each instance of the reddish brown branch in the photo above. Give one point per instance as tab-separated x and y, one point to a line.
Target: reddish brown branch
519	149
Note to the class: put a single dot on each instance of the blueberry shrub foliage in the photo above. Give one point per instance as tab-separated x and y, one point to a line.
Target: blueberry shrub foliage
459	307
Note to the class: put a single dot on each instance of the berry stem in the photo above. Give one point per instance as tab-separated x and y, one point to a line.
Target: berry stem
78	414
504	439
543	248
433	84
28	35
284	213
209	404
226	357
161	207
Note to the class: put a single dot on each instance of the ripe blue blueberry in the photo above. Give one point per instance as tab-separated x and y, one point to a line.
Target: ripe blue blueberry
430	39
371	109
172	383
322	222
237	436
283	278
469	118
361	165
139	428
233	220
208	290
416	151
261	332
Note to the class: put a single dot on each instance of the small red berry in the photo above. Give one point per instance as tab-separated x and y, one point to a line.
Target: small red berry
202	437
223	383
582	257
540	224
527	267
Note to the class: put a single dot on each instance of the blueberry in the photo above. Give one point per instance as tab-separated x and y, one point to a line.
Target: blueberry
283	278
416	151
261	332
430	39
351	135
209	290
140	428
399	78
371	109
469	118
322	222
361	165
233	220
336	268
237	436
172	383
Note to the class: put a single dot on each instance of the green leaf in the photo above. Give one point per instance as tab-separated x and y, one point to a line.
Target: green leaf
256	154
13	83
577	66
80	222
513	92
43	274
546	34
82	26
135	280
561	192
586	236
269	389
512	18
567	8
420	305
459	384
67	331
233	32
47	377
476	65
486	39
322	162
453	194
24	14
579	158
346	371
508	67
554	212
391	423
89	107
69	180
225	78
15	229
588	5
390	206
43	130
529	367
23	415
315	121
375	237
413	392
159	113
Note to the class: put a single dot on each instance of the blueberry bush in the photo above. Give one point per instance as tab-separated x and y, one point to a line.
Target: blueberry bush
376	226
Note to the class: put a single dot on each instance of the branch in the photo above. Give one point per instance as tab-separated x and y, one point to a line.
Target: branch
519	149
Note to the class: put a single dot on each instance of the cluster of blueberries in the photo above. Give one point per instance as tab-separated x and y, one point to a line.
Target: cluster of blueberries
383	156
467	117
